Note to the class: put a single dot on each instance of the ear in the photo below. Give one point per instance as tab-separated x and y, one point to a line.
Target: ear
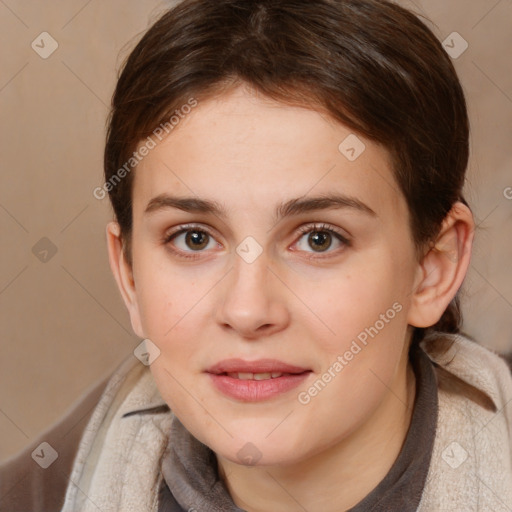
443	268
123	274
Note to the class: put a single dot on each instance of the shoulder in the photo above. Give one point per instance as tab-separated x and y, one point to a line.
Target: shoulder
122	442
130	389
471	464
26	485
468	361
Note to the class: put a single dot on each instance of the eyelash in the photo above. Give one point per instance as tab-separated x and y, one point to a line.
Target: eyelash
303	230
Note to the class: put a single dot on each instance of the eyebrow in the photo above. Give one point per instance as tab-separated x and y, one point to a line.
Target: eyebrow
285	209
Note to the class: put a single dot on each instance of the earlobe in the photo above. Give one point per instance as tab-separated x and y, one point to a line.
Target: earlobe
443	268
123	274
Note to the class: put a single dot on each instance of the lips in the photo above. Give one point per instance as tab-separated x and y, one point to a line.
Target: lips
240	366
255	381
255	376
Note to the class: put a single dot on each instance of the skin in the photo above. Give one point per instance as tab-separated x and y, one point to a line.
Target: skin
302	302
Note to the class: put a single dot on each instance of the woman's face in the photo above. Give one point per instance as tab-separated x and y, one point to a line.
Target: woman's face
274	274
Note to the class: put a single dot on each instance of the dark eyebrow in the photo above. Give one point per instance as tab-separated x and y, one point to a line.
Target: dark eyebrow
286	209
323	202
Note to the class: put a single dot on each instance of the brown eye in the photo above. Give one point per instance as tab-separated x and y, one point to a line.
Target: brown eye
196	240
320	239
189	241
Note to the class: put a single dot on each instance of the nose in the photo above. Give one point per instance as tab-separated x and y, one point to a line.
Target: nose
252	301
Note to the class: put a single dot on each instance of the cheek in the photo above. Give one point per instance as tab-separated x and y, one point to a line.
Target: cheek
357	373
348	303
363	334
165	297
180	393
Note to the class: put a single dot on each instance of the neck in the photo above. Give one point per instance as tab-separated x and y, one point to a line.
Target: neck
339	477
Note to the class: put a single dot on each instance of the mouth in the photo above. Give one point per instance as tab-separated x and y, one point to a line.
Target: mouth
258	376
258	367
254	381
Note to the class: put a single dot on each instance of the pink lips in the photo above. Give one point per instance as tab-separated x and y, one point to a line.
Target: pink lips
258	366
255	390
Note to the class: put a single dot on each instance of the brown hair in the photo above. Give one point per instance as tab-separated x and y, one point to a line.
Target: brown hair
369	64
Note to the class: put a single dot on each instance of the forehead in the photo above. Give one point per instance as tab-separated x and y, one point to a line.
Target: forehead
243	151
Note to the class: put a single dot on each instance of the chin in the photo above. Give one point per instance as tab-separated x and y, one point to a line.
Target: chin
258	451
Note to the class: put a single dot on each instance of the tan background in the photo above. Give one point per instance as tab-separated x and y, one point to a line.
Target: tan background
62	322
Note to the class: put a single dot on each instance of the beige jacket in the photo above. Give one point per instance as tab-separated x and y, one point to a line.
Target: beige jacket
116	467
